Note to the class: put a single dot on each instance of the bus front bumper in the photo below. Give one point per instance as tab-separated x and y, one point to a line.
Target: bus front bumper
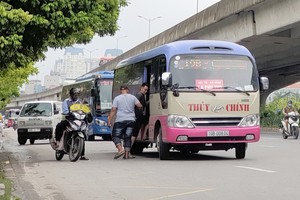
212	135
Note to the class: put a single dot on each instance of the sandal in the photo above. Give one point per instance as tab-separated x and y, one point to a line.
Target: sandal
83	158
129	157
119	154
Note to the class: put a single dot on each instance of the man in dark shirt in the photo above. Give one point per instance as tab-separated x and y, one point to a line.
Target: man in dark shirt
142	116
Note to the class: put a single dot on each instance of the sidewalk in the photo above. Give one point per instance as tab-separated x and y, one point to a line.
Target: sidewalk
269	129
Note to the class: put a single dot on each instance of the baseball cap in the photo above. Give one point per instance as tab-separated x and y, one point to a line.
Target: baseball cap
123	87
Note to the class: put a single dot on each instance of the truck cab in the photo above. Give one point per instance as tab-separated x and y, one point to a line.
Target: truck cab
37	120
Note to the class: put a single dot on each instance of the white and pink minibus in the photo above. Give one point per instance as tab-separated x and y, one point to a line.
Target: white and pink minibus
203	95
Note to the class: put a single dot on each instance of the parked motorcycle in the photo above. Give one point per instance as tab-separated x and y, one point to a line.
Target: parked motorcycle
72	140
292	130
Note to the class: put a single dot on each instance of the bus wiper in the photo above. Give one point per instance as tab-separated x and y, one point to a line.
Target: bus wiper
197	88
230	87
105	111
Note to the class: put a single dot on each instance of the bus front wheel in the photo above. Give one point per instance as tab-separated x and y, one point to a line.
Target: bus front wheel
240	150
31	140
91	138
163	148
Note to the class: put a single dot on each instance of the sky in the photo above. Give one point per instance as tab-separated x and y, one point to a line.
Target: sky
133	30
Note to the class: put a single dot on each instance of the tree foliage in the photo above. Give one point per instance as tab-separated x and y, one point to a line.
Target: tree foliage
29	27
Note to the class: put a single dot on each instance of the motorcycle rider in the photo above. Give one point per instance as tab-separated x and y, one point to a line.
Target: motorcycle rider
60	127
289	108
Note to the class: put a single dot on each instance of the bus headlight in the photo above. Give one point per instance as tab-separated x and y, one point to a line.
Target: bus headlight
250	120
101	122
179	121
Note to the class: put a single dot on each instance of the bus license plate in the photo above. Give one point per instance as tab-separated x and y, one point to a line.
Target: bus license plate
34	130
217	133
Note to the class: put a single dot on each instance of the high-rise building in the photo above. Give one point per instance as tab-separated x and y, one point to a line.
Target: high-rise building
72	65
109	55
52	81
34	86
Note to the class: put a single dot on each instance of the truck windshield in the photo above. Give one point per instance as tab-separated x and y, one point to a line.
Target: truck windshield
214	72
36	109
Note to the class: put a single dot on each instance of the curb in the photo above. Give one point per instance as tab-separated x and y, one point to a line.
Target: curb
268	129
2	189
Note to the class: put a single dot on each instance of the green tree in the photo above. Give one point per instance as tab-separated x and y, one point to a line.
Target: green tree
29	27
11	80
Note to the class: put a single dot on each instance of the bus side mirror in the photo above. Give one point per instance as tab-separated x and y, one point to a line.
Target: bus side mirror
56	112
264	83
166	79
17	113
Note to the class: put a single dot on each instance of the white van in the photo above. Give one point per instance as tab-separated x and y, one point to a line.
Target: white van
37	120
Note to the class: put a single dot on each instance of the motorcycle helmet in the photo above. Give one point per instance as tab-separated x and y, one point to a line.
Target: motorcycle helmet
74	93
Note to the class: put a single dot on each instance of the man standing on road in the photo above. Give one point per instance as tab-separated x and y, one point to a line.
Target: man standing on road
123	108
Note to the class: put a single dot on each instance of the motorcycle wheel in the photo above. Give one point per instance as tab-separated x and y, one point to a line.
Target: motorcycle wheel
284	136
59	154
76	148
296	132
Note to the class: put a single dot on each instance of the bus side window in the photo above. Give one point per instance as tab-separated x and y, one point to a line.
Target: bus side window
153	83
161	70
162	89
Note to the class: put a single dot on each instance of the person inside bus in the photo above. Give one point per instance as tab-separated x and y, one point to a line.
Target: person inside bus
60	127
142	116
123	108
289	108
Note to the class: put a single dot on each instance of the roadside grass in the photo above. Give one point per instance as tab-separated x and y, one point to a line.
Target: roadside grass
8	186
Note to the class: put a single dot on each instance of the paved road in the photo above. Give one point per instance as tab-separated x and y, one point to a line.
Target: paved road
269	171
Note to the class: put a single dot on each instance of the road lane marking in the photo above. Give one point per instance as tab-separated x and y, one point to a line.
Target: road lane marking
268	146
257	169
156	187
181	194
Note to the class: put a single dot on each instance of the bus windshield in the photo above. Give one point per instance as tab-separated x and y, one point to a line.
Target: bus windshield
214	72
104	87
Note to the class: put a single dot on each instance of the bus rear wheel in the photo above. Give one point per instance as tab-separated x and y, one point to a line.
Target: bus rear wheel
137	148
163	148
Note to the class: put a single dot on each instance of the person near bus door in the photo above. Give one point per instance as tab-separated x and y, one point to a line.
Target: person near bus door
123	108
141	115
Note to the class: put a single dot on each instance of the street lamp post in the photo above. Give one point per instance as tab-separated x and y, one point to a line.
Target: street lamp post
117	38
90	61
149	22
